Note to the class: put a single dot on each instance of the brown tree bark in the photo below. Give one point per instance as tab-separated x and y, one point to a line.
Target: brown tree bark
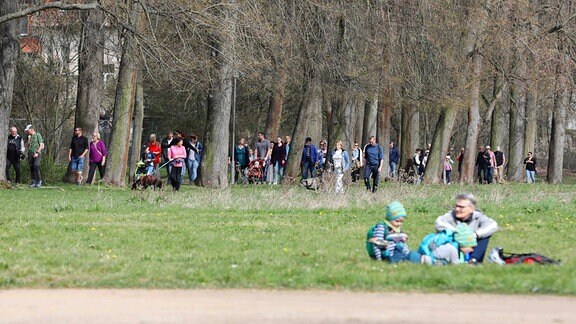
440	143
136	150
8	55
384	126
276	105
558	134
90	77
516	129
474	121
310	106
410	133
117	160
217	138
370	117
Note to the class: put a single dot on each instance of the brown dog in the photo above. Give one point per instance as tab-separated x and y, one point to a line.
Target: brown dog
147	181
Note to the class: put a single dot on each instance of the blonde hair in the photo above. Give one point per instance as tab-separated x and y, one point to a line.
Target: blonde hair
339	142
153	136
97	135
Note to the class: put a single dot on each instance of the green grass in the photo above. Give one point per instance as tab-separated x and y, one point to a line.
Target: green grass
264	237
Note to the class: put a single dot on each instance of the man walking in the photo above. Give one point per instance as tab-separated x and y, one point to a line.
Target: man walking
35	145
500	161
14	154
309	159
374	157
263	151
77	154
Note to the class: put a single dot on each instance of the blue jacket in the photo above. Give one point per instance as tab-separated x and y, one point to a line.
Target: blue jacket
345	160
313	154
394	155
373	154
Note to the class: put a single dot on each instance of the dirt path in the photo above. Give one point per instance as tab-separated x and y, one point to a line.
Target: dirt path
267	306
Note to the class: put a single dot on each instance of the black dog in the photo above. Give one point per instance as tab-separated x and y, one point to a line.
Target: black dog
147	181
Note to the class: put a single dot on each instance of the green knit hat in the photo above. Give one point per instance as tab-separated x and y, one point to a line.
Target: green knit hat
395	210
465	236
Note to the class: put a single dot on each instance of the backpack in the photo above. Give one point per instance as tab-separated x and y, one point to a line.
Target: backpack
498	256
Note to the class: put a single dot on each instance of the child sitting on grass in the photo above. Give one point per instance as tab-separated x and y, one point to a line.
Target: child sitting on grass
447	247
386	242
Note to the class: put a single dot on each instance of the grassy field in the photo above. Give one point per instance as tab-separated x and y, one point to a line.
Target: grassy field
270	237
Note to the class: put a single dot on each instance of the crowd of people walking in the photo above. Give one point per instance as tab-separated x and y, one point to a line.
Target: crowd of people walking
179	153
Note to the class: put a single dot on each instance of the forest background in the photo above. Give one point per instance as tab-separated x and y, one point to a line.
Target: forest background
450	73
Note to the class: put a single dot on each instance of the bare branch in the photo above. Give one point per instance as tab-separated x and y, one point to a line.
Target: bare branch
49	5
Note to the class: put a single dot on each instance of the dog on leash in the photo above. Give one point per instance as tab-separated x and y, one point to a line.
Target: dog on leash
146	181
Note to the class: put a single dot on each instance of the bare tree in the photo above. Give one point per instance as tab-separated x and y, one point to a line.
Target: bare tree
8	56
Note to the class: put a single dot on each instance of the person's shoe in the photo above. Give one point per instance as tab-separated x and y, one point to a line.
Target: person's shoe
33	184
38	184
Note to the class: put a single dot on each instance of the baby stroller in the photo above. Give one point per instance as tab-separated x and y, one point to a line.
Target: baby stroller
256	171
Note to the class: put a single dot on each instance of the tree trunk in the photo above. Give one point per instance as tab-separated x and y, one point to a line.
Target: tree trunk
498	123
136	151
311	104
276	104
516	132
531	121
384	126
357	131
440	143
410	132
474	121
90	77
117	160
558	134
370	118
8	55
217	139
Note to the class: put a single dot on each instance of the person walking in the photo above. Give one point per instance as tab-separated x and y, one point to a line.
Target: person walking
35	145
14	154
77	154
394	157
374	157
97	155
530	162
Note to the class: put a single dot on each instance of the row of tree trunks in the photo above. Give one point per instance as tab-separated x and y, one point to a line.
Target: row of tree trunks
8	55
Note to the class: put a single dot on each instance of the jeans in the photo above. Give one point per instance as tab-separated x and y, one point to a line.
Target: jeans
278	173
308	170
447	174
393	169
77	164
371	170
34	168
530	176
192	169
489	172
480	249
16	165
